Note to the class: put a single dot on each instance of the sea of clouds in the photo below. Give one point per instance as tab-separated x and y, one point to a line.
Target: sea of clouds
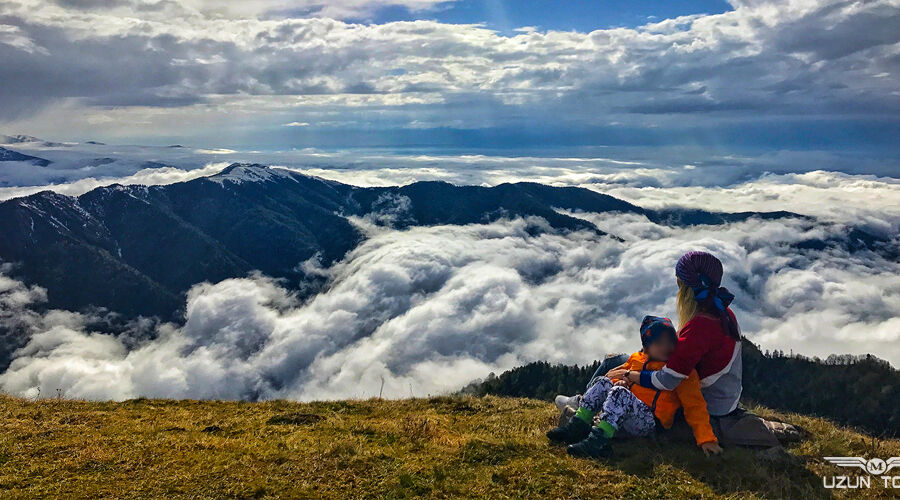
428	309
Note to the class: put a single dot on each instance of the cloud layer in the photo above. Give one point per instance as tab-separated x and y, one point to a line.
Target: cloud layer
785	71
429	309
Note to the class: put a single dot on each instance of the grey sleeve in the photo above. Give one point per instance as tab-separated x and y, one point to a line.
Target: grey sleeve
665	379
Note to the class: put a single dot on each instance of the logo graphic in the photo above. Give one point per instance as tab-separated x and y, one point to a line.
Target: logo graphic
875	466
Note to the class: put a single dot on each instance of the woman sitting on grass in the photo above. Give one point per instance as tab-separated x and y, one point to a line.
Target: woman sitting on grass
709	342
634	409
709	339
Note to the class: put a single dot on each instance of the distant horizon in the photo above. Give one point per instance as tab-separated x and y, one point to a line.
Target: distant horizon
828	136
662	165
474	74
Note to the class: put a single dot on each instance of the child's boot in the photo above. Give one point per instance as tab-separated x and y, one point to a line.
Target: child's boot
597	445
573	432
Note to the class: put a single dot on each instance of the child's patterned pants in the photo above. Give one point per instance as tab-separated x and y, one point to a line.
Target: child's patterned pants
619	407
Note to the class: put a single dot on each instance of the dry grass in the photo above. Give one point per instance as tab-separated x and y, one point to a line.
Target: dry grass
439	447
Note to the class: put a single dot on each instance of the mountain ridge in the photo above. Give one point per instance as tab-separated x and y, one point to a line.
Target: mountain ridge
10	155
136	250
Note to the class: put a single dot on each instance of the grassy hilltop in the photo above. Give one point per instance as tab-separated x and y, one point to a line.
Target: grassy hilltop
438	447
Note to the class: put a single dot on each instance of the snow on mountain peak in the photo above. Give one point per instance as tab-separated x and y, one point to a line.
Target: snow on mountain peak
239	173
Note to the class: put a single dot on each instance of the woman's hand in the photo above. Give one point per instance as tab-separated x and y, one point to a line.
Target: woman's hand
711	448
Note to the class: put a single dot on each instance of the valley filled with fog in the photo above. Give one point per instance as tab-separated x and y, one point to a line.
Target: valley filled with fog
427	308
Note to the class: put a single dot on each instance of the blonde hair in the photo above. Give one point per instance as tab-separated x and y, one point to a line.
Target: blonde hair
685	304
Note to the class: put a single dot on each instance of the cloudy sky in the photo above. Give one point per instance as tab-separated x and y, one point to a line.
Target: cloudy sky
726	106
280	74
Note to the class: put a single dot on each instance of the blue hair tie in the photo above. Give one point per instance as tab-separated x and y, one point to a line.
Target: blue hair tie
721	296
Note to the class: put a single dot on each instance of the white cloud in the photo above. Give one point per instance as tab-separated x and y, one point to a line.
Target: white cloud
339	9
186	64
431	308
220	151
12	36
146	177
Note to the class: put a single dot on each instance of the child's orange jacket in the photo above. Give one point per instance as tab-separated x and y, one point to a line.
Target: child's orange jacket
665	403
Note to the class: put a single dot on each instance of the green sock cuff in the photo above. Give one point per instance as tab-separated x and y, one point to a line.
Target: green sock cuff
607	428
586	415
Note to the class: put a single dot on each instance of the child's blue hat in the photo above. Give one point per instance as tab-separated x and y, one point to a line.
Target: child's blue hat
654	327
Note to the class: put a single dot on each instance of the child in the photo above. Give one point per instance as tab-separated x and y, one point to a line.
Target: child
634	409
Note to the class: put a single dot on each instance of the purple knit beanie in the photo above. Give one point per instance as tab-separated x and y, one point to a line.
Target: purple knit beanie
693	265
702	271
